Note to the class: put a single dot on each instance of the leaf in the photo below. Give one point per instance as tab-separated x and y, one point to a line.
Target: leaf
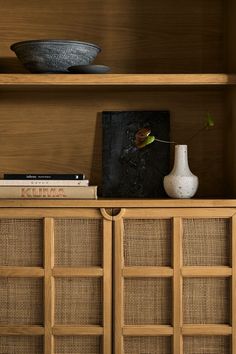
210	121
149	140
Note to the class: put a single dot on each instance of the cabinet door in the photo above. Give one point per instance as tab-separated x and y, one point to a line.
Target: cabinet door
175	281
55	281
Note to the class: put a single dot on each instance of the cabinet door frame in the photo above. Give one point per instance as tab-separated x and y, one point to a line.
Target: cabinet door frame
48	273
177	272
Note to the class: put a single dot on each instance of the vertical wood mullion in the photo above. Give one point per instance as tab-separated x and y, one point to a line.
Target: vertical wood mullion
107	285
48	285
119	286
233	284
177	286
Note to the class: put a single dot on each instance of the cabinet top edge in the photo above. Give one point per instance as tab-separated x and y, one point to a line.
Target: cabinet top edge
119	203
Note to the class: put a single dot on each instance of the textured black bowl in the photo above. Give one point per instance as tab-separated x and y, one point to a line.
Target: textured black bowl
54	55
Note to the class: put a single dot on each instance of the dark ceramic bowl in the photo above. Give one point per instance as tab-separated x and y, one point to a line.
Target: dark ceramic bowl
54	56
89	69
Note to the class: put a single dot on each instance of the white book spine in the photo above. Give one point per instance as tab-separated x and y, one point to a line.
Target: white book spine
29	192
40	182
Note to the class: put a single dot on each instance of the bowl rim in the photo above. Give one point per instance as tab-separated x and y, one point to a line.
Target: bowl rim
55	41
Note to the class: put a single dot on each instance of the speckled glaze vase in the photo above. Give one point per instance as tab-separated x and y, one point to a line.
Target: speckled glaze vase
181	182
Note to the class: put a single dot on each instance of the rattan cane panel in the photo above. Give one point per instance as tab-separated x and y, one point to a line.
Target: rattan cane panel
78	301
21	242
206	242
147	301
147	345
78	242
147	242
78	345
206	300
207	345
21	301
21	345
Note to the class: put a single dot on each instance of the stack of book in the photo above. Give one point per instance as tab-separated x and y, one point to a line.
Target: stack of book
46	186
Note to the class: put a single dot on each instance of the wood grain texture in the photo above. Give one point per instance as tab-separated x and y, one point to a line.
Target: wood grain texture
233	295
177	286
60	330
206	272
107	286
206	330
147	272
147	330
48	285
135	37
156	213
119	287
116	80
77	272
60	131
29	272
52	207
230	11
21	330
50	212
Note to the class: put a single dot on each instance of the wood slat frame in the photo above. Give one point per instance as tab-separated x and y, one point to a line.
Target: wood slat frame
121	272
119	286
49	273
177	272
177	286
104	272
29	272
233	295
49	286
22	330
107	286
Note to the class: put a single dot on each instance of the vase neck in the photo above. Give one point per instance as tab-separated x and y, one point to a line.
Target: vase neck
181	159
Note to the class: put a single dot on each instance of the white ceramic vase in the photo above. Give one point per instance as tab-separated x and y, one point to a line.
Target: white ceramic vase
181	182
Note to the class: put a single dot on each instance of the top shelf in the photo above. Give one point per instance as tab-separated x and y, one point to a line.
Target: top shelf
116	79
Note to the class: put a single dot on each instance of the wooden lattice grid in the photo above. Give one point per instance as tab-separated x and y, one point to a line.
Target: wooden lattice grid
37	315
205	278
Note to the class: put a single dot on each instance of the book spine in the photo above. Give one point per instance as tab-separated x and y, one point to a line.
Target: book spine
77	176
42	182
48	192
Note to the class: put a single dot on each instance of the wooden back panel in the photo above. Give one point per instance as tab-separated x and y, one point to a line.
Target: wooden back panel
136	37
60	131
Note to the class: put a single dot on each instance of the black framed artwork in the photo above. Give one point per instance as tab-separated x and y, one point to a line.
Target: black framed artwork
128	170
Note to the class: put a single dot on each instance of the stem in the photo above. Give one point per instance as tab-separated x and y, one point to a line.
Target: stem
197	132
164	141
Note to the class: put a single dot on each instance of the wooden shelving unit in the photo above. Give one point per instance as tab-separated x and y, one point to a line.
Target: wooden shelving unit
182	60
178	58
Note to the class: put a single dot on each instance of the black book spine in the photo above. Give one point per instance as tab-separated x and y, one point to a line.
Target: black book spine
78	176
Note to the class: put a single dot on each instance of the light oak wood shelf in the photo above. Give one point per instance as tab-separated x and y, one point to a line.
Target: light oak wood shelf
116	79
118	203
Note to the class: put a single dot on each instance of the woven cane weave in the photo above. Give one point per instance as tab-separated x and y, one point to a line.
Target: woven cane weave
78	301
21	301
21	345
78	242
147	301
147	242
147	345
206	300
78	345
207	345
21	242
206	242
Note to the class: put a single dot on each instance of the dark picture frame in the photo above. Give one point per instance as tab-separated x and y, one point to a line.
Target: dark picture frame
130	172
